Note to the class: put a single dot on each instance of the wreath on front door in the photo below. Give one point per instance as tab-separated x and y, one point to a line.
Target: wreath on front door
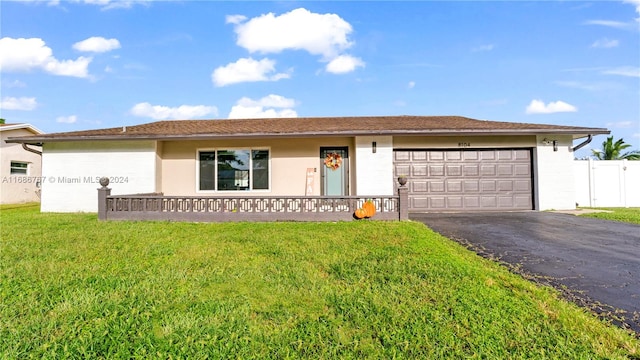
333	160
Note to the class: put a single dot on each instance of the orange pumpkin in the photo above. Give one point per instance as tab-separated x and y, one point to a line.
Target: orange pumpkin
369	208
360	213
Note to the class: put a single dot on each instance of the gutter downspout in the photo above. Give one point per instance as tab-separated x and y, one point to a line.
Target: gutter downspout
582	144
24	146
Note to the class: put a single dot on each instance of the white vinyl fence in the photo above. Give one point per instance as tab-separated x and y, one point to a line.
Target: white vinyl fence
607	183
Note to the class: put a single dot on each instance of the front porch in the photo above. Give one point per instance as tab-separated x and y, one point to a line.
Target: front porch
156	206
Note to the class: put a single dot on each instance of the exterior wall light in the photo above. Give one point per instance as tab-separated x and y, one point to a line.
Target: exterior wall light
546	141
374	147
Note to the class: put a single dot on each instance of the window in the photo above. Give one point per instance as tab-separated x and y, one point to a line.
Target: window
233	170
260	161
207	170
19	168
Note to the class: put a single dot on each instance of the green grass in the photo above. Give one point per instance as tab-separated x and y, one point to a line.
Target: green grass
74	287
629	215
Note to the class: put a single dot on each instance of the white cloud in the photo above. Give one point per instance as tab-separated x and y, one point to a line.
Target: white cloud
76	68
14	84
538	107
635	3
97	44
67	119
326	35
104	4
48	2
584	69
623	71
605	43
258	112
271	100
636	135
235	19
246	70
23	54
27	54
183	112
411	84
22	103
631	71
114	4
610	23
299	29
623	124
487	47
266	107
344	64
597	86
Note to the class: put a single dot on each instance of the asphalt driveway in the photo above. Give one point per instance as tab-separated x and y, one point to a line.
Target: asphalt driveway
595	263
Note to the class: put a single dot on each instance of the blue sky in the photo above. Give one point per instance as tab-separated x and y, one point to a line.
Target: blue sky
72	65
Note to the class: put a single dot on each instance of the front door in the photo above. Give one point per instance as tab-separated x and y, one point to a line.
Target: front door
334	163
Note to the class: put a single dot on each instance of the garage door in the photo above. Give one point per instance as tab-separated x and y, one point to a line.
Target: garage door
467	180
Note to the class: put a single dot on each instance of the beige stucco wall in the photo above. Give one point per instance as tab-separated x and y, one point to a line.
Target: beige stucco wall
290	159
18	188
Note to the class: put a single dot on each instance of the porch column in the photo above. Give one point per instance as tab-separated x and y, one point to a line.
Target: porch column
403	206
103	193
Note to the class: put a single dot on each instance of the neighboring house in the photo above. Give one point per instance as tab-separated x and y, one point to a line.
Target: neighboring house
20	169
452	163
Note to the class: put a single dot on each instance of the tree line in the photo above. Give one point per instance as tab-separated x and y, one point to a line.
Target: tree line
615	151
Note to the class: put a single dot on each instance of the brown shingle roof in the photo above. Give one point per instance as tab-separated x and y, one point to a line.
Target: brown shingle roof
309	126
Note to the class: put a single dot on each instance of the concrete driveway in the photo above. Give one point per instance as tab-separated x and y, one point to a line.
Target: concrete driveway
595	263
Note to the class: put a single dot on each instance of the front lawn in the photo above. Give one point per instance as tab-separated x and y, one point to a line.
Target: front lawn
630	215
74	287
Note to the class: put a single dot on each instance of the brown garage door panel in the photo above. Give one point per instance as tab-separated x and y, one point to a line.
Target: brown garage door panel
457	180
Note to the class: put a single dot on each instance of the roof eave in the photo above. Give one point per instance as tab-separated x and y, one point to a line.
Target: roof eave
580	132
26	126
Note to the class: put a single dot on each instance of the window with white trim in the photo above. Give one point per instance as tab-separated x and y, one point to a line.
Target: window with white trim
233	169
19	168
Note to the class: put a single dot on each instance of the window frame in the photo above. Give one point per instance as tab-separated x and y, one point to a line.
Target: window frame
12	168
232	148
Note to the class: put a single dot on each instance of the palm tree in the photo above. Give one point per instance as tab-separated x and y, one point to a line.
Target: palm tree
613	151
